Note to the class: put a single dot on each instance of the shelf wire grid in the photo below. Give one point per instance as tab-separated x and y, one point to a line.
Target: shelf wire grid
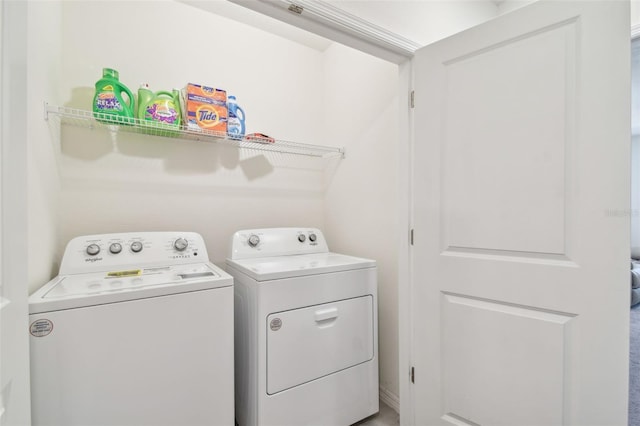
91	120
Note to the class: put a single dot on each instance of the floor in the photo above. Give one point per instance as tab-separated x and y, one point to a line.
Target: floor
385	417
634	367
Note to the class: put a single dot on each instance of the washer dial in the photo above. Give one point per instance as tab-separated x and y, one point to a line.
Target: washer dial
93	249
136	246
253	240
115	248
180	244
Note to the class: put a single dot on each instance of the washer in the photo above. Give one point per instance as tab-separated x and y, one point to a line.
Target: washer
137	329
306	333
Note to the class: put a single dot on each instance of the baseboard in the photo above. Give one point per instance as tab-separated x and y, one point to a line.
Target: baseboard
389	398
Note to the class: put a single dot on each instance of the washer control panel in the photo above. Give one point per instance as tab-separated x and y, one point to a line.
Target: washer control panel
268	242
92	253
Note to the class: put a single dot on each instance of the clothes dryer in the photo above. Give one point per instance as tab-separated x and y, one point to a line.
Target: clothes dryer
137	329
306	333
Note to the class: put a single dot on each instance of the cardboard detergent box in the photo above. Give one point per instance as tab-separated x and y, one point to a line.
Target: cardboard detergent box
205	108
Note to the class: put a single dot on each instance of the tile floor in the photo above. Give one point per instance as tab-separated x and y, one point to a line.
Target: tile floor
385	417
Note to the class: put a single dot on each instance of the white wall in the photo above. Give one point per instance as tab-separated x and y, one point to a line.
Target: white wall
43	76
85	181
361	208
124	182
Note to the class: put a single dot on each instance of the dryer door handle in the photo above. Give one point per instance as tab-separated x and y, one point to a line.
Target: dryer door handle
326	314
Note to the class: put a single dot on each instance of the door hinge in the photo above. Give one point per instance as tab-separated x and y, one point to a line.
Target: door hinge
411	237
412	99
412	374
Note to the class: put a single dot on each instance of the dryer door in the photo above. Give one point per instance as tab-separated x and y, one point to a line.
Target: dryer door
308	343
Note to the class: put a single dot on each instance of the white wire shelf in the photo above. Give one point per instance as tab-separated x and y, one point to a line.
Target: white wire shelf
87	119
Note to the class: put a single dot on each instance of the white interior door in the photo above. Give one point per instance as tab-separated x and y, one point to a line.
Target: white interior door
520	263
14	342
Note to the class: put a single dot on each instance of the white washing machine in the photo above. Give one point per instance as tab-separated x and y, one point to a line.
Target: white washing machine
306	334
137	329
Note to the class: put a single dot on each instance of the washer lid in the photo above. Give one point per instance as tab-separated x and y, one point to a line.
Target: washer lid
279	267
80	290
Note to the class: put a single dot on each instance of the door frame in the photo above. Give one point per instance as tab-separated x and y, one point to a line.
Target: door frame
15	389
405	285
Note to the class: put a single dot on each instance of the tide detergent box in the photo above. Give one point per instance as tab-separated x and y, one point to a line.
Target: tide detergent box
205	108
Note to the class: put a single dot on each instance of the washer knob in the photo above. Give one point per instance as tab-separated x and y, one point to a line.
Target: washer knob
180	244
301	238
115	248
136	246
253	240
93	249
313	238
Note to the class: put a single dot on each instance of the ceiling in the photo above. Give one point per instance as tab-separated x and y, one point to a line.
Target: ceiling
391	29
245	15
418	20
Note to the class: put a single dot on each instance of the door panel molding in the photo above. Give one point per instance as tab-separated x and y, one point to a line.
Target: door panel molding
515	182
496	351
510	256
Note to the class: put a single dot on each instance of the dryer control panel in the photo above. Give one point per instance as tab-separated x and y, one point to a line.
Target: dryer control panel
103	252
267	242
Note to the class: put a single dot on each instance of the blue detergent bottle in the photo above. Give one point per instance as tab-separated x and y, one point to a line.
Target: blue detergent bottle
235	119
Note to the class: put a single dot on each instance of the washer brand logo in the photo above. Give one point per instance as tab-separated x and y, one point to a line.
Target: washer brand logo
276	324
93	259
41	328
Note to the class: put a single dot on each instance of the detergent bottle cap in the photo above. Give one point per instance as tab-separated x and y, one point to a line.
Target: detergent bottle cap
144	85
110	72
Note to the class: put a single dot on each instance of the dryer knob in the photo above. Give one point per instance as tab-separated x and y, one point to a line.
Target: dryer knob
253	240
180	244
136	246
93	249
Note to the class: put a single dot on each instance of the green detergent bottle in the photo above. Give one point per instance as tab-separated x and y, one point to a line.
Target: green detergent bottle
109	104
159	112
144	97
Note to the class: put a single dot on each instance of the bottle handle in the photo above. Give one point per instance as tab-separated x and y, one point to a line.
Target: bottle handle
164	92
241	110
241	118
131	101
